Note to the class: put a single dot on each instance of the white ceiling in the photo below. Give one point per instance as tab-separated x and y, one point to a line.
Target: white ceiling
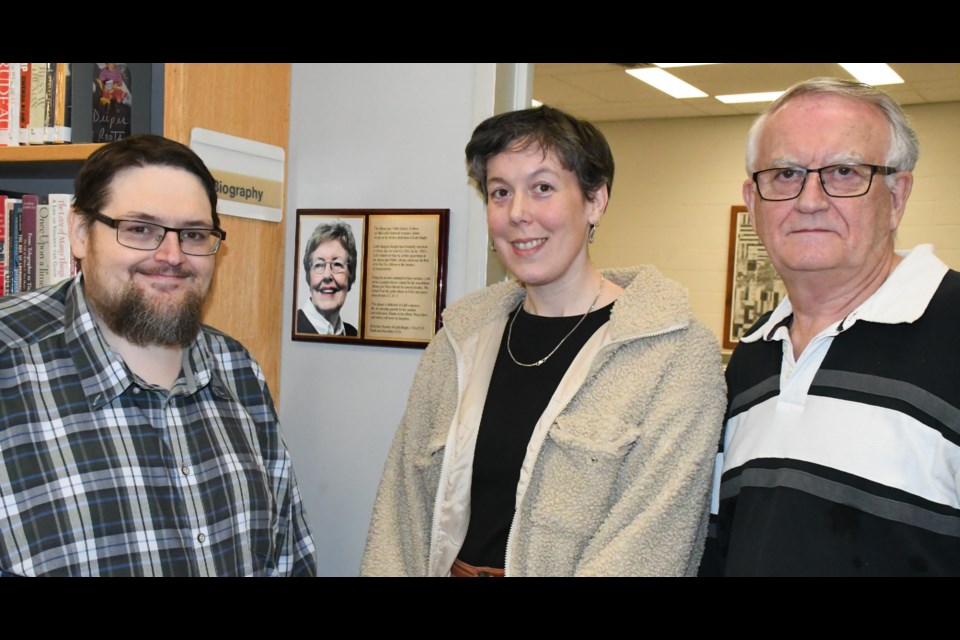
604	91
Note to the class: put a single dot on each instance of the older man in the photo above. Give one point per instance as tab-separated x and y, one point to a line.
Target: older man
841	451
133	439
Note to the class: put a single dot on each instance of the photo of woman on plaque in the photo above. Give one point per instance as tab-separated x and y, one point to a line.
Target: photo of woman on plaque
330	270
562	423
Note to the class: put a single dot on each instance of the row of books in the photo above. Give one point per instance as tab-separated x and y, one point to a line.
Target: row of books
34	103
79	102
34	241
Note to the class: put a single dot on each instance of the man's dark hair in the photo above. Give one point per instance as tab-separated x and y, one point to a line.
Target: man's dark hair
579	145
92	185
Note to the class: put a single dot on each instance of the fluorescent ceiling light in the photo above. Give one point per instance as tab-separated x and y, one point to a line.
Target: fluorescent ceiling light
872	72
666	82
736	98
667	65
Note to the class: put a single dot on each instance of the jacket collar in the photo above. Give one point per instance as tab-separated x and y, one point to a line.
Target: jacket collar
650	304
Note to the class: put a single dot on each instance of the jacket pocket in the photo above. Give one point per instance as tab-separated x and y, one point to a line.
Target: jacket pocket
428	464
575	479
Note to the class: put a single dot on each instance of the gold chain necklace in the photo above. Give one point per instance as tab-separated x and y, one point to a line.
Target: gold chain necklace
547	357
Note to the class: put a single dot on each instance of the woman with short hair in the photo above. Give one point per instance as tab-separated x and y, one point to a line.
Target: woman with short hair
563	423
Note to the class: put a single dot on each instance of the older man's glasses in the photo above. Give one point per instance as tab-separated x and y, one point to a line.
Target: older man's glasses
320	266
147	236
837	180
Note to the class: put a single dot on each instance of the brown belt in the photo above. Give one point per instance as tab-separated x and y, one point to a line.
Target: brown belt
461	569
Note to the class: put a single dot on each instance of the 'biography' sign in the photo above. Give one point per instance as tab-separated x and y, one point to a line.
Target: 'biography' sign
248	174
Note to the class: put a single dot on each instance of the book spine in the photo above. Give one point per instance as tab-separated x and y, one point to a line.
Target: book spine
61	132
15	243
3	245
24	103
28	252
68	100
38	101
8	246
50	106
42	273
59	248
6	122
15	104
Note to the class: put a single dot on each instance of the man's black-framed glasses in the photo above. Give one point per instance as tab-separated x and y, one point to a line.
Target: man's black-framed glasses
147	236
838	180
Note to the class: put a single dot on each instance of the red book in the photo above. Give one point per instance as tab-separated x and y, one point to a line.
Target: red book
5	94
24	103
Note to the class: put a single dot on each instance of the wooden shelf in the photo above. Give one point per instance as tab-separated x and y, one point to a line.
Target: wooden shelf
48	152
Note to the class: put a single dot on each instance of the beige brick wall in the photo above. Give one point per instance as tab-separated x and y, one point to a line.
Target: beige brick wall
676	180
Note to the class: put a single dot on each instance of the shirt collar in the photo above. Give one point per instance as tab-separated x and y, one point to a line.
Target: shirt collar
103	373
902	298
321	324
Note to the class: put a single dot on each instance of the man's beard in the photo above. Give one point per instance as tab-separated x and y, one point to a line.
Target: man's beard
132	316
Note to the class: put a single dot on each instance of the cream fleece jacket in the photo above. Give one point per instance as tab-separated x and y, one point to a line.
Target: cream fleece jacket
617	478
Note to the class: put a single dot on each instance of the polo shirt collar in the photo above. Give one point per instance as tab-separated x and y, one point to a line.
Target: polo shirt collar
902	298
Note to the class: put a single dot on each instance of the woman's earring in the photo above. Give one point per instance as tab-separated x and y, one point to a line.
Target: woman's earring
592	234
493	247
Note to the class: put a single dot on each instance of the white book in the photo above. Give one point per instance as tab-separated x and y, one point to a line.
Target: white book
15	104
38	101
61	260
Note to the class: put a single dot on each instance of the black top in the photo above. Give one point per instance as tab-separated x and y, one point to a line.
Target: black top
515	401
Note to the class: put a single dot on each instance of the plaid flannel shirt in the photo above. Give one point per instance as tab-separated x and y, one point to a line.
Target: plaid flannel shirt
103	474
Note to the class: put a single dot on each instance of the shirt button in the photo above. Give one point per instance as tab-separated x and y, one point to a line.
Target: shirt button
136	389
185	470
201	538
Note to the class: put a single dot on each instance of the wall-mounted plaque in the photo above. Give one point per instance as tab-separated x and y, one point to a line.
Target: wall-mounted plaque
370	276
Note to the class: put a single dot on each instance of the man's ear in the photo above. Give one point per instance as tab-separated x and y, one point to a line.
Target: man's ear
899	193
750	198
79	234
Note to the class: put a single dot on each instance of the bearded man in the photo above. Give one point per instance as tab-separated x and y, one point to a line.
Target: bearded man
133	439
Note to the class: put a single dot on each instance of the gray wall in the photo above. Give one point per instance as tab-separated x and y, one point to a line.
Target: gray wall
369	136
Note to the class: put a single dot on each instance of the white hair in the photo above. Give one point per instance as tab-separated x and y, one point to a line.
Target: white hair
904	147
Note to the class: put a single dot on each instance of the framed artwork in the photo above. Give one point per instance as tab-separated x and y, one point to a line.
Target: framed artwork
753	286
370	276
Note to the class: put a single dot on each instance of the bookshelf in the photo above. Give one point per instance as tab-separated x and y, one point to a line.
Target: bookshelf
246	296
48	153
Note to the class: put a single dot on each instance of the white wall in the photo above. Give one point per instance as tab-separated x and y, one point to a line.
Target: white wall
367	136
